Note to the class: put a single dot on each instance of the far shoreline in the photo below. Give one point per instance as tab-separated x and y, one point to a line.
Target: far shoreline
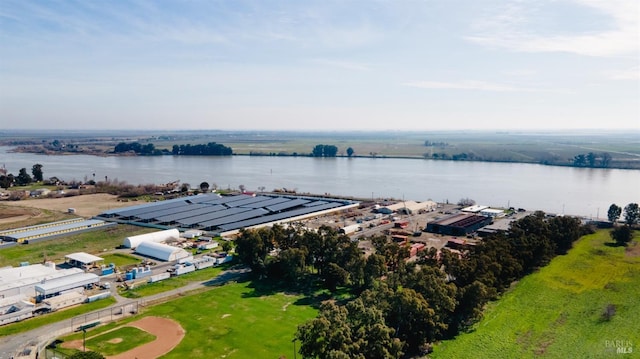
45	152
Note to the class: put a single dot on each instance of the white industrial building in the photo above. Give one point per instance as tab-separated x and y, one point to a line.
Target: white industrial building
161	236
161	251
76	282
490	212
409	207
474	209
21	281
16	308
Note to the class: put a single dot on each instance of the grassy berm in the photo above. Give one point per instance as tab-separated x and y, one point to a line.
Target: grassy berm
585	304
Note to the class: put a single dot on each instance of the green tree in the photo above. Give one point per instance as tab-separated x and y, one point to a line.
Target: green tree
622	235
36	170
563	231
355	330
614	213
330	151
204	186
375	267
605	160
6	181
580	160
631	213
591	159
23	178
253	246
318	151
350	151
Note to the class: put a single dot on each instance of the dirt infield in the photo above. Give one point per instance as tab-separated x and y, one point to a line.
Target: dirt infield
168	334
87	205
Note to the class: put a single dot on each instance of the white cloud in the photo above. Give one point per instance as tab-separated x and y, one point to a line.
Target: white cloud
347	65
508	30
473	85
632	73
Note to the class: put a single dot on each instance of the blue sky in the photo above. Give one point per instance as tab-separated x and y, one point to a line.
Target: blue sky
330	65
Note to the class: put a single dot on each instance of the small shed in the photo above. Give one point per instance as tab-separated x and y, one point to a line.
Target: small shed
82	259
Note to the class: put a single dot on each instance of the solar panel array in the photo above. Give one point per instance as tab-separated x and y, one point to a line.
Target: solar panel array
212	212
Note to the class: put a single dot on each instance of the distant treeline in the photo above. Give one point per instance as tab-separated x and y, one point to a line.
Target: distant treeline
210	149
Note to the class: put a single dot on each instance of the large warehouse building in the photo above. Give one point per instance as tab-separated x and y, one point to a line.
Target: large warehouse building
458	224
157	237
21	281
225	214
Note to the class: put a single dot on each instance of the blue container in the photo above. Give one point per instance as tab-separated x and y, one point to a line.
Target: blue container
128	276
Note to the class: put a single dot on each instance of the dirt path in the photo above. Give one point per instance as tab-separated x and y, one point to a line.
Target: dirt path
87	205
168	334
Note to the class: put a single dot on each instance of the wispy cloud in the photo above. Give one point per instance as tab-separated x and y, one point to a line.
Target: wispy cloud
509	29
346	65
632	73
474	86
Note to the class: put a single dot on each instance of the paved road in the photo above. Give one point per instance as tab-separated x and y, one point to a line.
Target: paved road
13	345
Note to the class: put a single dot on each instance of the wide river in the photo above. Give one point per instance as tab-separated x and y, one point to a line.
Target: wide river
575	191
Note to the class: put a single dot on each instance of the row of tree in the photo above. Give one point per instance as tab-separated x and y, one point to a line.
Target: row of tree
146	150
149	149
398	308
329	151
631	213
210	149
592	160
23	178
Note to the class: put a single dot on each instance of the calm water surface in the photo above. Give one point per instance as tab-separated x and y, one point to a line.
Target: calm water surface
576	191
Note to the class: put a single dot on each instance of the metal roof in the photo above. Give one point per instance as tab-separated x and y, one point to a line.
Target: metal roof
55	229
83	257
65	283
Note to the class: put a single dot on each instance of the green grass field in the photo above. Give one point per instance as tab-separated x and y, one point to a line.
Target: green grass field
120	259
558	311
236	321
93	242
119	340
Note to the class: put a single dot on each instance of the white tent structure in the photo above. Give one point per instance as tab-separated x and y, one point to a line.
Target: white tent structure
157	237
161	251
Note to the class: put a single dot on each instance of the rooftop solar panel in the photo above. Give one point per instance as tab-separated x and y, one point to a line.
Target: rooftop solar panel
163	206
214	215
247	201
189	214
165	212
235	218
145	205
277	216
286	205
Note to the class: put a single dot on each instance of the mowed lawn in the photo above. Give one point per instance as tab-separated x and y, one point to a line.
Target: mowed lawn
558	311
236	321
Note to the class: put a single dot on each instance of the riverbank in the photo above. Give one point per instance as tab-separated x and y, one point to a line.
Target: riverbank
582	149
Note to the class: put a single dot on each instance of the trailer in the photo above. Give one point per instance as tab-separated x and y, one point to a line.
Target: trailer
180	269
350	229
158	277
